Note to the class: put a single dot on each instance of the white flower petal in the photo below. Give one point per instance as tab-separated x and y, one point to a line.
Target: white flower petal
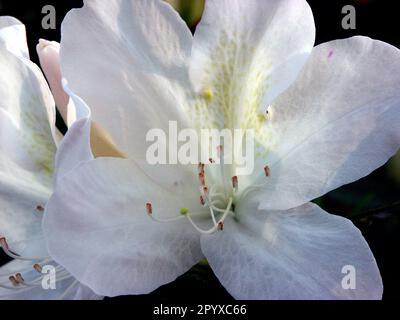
103	205
127	61
13	36
27	148
21	196
296	254
245	53
338	123
75	147
27	106
20	219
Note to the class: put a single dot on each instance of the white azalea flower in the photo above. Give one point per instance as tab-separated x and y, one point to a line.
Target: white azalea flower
333	118
27	149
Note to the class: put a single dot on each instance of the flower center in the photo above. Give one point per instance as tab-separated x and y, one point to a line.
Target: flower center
218	200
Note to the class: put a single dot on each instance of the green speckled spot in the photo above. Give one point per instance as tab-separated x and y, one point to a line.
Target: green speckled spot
235	83
37	138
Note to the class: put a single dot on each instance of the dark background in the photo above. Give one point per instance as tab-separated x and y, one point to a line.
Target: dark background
371	203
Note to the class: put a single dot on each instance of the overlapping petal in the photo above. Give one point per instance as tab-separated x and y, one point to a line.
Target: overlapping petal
26	145
13	36
336	124
133	72
102	204
76	145
245	53
303	253
28	140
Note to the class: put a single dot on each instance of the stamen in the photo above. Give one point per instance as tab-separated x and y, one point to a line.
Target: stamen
19	278
202	179
208	199
3	243
20	285
217	226
201	168
40	208
62	274
149	209
183	212
13	281
220	150
267	171
205	197
235	183
7	251
38	268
